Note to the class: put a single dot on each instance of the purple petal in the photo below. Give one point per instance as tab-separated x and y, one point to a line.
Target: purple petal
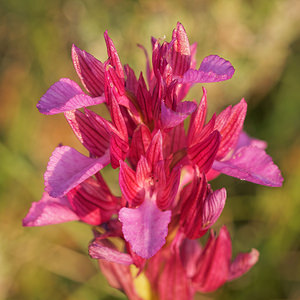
65	95
49	211
170	118
67	168
104	249
145	227
212	69
246	140
251	164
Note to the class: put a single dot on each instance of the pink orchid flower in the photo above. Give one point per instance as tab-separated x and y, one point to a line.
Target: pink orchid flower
164	171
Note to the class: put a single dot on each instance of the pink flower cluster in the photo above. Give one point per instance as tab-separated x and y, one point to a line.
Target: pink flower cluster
164	169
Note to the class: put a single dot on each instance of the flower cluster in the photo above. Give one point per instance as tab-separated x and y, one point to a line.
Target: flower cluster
164	169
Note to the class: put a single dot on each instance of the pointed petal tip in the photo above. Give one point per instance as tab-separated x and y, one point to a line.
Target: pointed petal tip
74	47
179	26
104	249
65	95
213	207
74	51
49	211
251	164
242	264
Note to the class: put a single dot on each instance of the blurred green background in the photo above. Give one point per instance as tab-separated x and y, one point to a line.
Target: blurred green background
260	38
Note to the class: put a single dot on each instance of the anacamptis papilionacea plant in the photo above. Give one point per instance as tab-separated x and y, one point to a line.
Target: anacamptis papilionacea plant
167	202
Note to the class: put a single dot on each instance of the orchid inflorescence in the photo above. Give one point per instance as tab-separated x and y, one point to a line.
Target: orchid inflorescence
164	169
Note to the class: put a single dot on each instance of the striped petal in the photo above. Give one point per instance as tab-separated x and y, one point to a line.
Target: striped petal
90	71
104	249
63	96
252	164
212	69
49	211
67	168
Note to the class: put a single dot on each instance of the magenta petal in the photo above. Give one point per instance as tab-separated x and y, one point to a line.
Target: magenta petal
214	263
212	69
170	118
118	150
251	164
167	196
212	207
65	95
230	123
131	81
119	277
49	211
246	140
190	251
104	249
92	201
174	272
90	71
92	134
204	153
192	197
142	171
174	140
118	119
145	227
180	53
67	168
242	264
113	55
154	153
197	120
144	100
131	190
140	141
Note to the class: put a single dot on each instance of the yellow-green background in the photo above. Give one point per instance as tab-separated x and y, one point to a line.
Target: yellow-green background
259	37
